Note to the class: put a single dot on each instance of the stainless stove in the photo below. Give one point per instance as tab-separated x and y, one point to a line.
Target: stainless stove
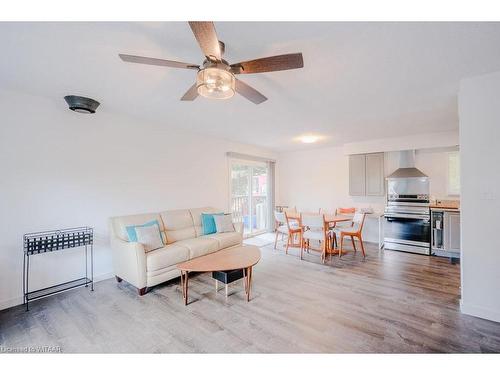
407	226
407	216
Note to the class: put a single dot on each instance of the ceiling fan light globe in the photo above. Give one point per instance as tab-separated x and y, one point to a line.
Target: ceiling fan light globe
215	83
81	110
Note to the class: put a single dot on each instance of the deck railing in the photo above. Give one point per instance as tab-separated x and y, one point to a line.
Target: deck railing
240	210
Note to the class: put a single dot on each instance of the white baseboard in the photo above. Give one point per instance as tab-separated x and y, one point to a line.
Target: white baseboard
104	276
5	304
480	311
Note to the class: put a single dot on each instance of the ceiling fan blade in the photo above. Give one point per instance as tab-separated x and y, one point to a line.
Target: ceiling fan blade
269	64
159	62
191	94
249	92
206	36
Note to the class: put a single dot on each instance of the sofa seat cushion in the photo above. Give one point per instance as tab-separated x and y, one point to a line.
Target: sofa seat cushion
166	256
226	239
199	246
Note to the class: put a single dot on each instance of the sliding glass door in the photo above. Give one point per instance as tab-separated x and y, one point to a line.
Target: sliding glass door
249	195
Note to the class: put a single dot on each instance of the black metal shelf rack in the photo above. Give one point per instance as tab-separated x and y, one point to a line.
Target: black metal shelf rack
50	241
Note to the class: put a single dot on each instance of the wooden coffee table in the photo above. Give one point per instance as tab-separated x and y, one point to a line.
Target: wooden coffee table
241	257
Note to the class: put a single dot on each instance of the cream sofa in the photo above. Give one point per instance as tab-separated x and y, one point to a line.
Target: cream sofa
182	232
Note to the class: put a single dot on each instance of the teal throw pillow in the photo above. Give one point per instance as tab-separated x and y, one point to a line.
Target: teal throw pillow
208	223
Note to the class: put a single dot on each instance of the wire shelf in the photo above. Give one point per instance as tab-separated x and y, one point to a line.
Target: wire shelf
36	294
42	242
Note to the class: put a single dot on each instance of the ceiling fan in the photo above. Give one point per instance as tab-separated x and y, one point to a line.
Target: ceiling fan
216	77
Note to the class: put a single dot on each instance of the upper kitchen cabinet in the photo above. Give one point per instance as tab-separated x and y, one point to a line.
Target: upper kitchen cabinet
366	174
357	175
375	174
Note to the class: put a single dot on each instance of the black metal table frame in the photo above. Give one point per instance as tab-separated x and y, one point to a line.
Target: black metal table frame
56	240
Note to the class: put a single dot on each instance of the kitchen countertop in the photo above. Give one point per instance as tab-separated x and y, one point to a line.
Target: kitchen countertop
445	205
442	208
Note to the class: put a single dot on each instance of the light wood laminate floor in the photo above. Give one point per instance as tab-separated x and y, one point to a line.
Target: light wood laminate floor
389	302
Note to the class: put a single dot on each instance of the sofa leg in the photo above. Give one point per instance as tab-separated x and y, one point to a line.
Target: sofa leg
142	291
118	279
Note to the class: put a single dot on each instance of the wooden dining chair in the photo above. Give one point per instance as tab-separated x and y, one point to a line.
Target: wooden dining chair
345	211
325	212
280	220
290	209
314	228
349	211
338	212
354	230
288	228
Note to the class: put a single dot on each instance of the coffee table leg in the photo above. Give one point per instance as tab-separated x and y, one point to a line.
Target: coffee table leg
184	285
186	281
247	279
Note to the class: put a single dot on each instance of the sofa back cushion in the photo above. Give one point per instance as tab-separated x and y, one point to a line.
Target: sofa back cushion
196	217
119	224
178	225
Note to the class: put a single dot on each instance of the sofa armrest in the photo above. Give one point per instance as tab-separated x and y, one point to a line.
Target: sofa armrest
129	261
238	227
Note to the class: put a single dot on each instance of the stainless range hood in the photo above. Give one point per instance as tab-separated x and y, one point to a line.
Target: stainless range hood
407	166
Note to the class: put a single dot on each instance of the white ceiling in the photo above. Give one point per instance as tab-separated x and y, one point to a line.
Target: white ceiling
360	81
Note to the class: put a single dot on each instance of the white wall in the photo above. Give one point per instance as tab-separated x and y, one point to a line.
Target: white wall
414	141
479	113
317	178
62	169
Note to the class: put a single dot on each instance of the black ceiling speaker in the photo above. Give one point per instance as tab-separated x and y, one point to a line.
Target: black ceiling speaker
81	104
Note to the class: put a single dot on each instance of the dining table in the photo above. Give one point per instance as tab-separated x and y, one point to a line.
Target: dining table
330	219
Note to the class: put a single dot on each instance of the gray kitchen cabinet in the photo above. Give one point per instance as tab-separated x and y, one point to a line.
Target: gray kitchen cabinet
375	174
452	231
357	174
366	174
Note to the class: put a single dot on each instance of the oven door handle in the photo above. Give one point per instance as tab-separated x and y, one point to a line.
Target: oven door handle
407	216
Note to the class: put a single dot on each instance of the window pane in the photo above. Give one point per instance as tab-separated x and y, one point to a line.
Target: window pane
259	198
249	196
240	175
